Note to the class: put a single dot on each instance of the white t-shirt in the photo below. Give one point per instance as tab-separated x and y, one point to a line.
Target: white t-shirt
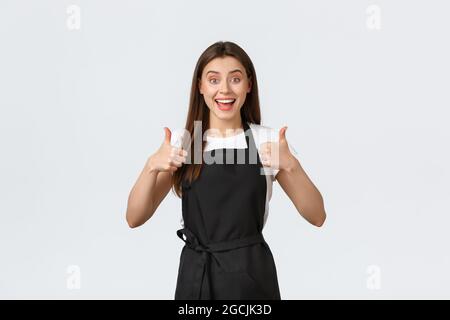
261	135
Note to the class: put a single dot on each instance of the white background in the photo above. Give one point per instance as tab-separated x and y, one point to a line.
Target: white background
367	111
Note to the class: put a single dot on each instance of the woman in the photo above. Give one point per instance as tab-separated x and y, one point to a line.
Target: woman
224	203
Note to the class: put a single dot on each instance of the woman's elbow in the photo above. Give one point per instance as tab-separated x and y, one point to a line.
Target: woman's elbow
132	221
133	224
319	222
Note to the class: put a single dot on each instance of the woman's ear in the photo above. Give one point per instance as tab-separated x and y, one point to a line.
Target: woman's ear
249	85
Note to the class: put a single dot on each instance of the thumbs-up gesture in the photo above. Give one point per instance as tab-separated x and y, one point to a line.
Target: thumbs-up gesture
276	155
168	158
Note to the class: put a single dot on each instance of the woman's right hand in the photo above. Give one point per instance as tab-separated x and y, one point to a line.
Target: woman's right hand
168	158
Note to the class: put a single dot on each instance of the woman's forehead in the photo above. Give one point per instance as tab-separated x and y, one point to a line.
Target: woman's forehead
224	65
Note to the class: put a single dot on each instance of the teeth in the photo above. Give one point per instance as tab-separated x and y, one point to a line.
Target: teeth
225	101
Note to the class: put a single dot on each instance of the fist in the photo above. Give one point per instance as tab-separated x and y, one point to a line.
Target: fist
168	158
276	155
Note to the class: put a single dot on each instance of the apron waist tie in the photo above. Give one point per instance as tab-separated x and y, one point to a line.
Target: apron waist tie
208	250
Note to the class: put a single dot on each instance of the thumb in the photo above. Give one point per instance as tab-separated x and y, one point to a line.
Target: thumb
168	135
282	136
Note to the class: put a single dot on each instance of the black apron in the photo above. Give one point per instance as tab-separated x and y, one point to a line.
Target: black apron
225	255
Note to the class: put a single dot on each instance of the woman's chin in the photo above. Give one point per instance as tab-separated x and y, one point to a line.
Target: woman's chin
224	115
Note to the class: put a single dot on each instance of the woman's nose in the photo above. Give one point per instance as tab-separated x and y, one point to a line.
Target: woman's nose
224	87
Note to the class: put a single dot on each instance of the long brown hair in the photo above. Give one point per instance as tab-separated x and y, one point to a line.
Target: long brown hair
199	111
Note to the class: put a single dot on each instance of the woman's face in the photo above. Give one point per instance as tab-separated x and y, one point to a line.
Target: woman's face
224	85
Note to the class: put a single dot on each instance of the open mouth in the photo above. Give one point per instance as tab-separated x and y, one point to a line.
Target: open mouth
225	104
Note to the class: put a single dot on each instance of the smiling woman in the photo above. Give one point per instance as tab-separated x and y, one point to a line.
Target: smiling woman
224	205
224	85
214	77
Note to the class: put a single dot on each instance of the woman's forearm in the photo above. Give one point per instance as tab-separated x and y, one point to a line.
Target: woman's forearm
303	193
154	182
140	206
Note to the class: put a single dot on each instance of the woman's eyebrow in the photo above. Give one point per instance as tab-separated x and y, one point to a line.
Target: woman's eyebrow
236	70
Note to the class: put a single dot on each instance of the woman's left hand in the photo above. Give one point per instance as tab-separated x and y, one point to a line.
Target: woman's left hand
276	155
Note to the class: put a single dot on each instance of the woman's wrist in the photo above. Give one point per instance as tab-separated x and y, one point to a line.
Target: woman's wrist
292	164
149	166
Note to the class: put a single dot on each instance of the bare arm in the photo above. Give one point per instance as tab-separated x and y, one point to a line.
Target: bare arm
293	179
147	193
303	193
154	182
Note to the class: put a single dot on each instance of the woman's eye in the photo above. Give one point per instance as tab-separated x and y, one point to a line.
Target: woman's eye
215	81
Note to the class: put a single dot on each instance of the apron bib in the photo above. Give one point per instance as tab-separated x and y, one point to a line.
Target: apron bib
225	255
